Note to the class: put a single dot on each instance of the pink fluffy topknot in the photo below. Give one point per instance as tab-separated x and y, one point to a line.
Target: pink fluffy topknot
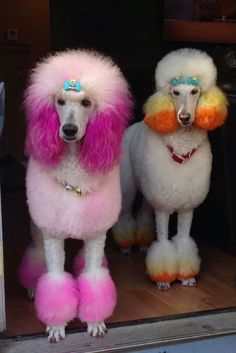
100	148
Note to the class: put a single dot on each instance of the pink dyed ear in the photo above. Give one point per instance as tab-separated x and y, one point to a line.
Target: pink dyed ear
100	148
43	141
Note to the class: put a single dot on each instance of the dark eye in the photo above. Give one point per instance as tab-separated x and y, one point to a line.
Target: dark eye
85	102
176	93
194	91
61	101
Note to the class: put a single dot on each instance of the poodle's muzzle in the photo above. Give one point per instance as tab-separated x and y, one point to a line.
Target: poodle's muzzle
74	112
69	132
184	119
185	98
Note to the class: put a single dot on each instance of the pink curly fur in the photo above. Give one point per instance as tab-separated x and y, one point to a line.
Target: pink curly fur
100	149
30	269
97	296
52	208
56	299
43	141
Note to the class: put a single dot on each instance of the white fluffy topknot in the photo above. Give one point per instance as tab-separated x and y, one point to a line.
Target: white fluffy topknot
187	63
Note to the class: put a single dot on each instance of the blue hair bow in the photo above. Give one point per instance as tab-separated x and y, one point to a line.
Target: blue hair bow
193	81
72	85
180	80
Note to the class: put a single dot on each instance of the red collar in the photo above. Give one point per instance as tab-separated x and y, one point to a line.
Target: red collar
180	158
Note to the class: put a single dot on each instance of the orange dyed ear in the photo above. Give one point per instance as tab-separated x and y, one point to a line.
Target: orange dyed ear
211	111
160	114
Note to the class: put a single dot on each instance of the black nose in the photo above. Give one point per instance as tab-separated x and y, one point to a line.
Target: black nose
69	130
185	118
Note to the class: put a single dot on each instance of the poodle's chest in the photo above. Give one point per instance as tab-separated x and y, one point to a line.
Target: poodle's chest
173	179
69	172
62	213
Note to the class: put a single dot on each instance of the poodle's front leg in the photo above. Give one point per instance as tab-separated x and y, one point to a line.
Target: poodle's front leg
97	293
188	259
162	256
56	297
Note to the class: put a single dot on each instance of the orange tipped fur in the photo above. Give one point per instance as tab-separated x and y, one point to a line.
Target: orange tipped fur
164	277
187	275
125	243
212	109
145	237
209	118
164	121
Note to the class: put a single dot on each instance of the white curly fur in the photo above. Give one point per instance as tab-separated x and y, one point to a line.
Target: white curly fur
186	62
168	186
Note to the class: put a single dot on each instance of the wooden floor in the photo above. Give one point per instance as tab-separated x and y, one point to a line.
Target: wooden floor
138	298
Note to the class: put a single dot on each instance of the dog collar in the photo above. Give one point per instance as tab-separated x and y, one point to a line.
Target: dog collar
74	189
180	158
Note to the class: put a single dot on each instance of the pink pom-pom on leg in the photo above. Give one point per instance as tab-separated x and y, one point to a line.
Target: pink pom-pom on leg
31	269
56	298
97	296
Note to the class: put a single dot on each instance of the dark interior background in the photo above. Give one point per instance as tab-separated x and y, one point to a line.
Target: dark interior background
129	31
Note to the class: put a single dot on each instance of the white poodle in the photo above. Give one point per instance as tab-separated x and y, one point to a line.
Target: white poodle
168	158
77	105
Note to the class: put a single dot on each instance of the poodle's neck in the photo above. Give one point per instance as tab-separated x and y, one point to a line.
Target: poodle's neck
70	171
184	140
72	148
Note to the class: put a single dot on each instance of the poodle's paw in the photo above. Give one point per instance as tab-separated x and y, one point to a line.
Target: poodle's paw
189	282
145	236
124	231
188	260
163	286
56	333
97	297
97	329
125	251
143	249
162	263
30	293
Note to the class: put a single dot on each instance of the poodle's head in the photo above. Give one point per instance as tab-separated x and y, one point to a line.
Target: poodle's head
186	93
77	97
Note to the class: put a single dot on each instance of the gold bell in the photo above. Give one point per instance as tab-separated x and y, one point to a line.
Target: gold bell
78	191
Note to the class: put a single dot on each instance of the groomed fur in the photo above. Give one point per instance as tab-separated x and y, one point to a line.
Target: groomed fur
95	73
188	63
97	296
168	186
160	113
211	112
56	298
